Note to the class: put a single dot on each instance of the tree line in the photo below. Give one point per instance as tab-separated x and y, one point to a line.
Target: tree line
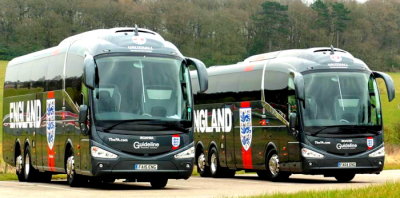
215	31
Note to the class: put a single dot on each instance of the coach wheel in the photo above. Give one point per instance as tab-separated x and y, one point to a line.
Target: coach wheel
273	172
202	168
19	170
345	177
28	170
73	179
159	183
215	169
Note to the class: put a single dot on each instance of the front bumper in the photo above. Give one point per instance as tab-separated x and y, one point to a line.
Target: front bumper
329	165
123	167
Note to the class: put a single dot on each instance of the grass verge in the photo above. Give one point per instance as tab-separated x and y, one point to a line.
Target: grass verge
388	190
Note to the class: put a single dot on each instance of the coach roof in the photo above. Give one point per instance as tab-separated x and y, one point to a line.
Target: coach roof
103	41
299	60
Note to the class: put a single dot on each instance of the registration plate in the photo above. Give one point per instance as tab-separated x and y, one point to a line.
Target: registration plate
347	164
146	167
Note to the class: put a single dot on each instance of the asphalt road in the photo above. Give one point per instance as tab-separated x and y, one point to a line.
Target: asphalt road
241	185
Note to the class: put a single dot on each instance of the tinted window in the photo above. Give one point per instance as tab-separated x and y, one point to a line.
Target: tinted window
38	74
24	76
232	87
73	81
55	72
10	83
276	90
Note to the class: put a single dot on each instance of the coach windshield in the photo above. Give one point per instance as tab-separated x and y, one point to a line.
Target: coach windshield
339	100
142	88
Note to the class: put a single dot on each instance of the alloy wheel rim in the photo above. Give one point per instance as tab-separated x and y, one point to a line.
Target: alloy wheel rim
201	162
273	165
18	164
213	163
27	165
70	167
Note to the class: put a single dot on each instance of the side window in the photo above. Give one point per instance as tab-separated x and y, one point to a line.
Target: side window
38	76
73	78
55	72
276	91
10	83
250	85
292	105
24	78
375	110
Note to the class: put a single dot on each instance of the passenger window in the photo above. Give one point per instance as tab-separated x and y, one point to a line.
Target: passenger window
276	91
38	77
55	72
73	77
292	105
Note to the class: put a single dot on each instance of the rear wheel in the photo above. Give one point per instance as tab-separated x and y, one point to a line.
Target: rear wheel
215	169
19	170
345	177
202	168
29	172
159	183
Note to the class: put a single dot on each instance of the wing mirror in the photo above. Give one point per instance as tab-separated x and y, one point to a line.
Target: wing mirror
389	84
201	73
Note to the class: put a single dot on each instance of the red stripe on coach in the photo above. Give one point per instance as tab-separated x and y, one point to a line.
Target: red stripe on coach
50	94
247	158
245	104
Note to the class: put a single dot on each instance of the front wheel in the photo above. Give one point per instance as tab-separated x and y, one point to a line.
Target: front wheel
159	183
345	177
73	179
273	172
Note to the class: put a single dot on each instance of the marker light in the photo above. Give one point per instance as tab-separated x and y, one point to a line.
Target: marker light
189	153
101	153
379	153
307	153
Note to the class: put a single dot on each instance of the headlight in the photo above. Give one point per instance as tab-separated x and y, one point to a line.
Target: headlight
101	153
307	153
379	153
189	153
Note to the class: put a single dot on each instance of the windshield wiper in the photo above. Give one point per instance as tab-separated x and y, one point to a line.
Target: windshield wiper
173	125
107	129
320	130
346	129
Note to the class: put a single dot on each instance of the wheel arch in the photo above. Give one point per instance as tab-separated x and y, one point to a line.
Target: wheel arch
69	149
17	149
270	146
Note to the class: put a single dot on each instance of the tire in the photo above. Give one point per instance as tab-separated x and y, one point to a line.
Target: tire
19	170
202	168
272	165
215	169
73	179
29	173
158	183
345	177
